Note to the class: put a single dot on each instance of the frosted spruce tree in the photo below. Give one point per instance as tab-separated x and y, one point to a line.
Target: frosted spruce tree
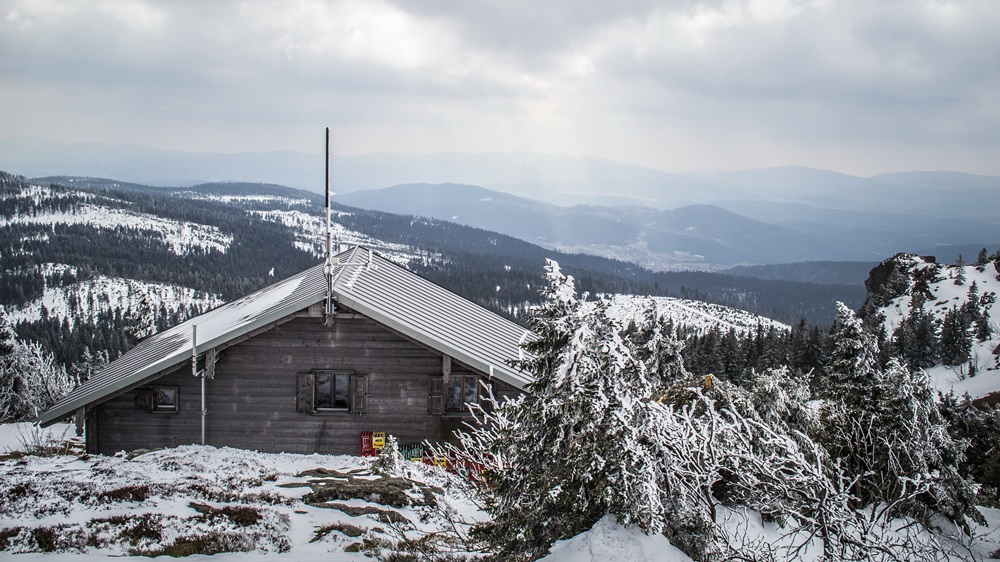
30	380
657	347
884	428
389	461
854	366
584	445
595	435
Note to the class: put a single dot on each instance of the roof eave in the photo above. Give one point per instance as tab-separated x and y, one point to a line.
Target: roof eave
138	378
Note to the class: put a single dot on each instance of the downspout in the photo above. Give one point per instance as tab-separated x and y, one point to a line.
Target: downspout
194	371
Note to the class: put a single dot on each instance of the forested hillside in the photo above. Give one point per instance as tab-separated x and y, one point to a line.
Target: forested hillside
941	318
160	255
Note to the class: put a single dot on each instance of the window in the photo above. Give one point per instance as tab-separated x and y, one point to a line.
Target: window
165	399
332	391
325	391
160	399
463	390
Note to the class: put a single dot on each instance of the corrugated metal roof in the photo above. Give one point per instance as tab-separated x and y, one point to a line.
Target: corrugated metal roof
431	315
363	281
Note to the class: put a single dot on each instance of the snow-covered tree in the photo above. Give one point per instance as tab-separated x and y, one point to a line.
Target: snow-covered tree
884	428
924	350
6	336
657	347
88	364
389	461
982	259
915	339
144	319
955	343
853	363
782	400
980	428
30	380
584	445
919	448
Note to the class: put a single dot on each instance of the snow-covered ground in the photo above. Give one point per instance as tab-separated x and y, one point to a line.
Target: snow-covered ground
948	295
608	541
14	435
103	507
698	316
96	505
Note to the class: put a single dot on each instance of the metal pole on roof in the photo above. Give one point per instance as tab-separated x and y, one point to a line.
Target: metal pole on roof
328	268
329	233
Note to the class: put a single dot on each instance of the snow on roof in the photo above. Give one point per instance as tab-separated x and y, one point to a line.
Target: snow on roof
363	281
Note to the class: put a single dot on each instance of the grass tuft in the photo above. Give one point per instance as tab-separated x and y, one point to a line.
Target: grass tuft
347	529
207	544
125	494
6	535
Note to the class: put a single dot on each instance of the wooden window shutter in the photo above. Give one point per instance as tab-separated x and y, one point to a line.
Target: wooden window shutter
144	399
435	398
359	394
305	393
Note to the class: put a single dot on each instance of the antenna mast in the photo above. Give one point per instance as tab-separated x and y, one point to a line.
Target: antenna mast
329	232
328	310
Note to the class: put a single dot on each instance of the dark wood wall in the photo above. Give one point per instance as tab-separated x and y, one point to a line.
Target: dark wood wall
251	402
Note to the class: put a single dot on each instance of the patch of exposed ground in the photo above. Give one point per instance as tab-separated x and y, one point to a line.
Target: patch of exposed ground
331	485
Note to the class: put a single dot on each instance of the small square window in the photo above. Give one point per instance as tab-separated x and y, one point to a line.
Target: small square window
463	390
165	399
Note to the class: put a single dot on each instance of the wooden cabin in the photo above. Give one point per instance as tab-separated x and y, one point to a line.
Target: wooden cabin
398	355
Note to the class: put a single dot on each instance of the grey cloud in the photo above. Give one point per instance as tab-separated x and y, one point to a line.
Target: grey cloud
806	72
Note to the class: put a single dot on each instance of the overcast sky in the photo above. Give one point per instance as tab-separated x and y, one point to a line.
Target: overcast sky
859	86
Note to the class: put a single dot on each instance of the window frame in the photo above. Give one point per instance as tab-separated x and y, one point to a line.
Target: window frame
307	392
165	408
335	377
464	382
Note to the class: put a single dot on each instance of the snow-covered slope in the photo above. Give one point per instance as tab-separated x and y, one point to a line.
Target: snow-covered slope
945	287
86	300
310	234
40	213
101	212
307	221
696	317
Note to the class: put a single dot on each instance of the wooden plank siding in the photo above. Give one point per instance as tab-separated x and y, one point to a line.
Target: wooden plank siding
251	402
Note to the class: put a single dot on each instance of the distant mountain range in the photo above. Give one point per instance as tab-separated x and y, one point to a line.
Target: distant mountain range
704	236
552	178
653	218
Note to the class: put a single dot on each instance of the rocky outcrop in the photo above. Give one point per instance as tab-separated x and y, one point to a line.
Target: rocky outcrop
896	276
